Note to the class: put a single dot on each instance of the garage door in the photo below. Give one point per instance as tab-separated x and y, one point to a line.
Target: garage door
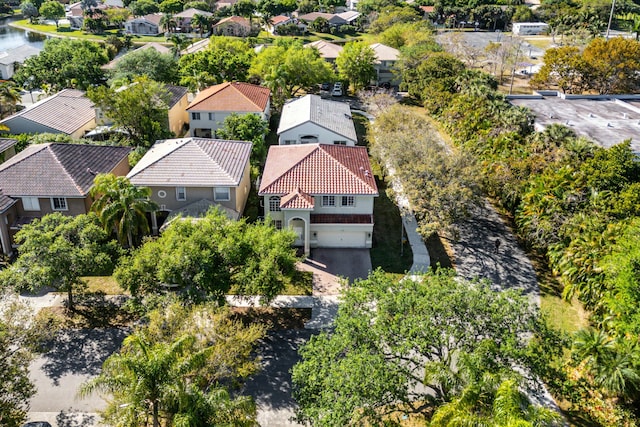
341	239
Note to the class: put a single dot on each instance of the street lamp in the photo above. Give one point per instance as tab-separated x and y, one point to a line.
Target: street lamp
613	6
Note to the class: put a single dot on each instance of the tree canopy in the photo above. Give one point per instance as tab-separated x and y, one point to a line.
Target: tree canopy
64	63
57	251
355	64
52	10
415	344
210	256
246	127
161	67
140	109
288	69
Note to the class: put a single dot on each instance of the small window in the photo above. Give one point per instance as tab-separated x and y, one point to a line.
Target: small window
340	142
59	204
221	194
30	204
274	204
212	116
195	116
290	142
277	224
328	200
348	201
181	193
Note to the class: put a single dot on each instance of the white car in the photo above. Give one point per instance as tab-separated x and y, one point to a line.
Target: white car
337	89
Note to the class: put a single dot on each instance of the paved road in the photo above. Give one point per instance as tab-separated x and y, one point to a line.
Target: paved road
475	254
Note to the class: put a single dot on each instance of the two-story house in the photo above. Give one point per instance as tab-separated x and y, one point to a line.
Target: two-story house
325	193
46	178
386	58
311	119
188	176
211	106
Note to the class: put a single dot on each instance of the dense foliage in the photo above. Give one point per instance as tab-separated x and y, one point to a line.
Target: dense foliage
400	348
210	257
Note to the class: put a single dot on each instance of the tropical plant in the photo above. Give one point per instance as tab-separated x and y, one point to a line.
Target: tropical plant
123	207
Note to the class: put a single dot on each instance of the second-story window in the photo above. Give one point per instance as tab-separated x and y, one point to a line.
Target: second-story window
328	200
274	204
195	116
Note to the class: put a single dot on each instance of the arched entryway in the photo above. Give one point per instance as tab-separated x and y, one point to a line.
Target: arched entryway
299	226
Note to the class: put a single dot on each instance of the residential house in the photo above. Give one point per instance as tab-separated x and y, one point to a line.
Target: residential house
211	106
328	51
311	119
160	48
7	149
529	28
350	16
147	25
76	13
333	19
11	57
386	58
183	19
325	193
188	176
234	26
278	21
47	178
68	111
177	117
196	47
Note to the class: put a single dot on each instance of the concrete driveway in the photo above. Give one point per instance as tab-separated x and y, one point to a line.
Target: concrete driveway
331	265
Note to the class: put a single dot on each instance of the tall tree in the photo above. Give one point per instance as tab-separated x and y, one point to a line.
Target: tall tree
172	370
161	67
140	109
356	64
52	10
210	256
247	127
123	207
57	251
9	98
29	10
64	63
288	69
400	347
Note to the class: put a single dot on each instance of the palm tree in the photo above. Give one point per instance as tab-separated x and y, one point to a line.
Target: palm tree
122	206
9	98
200	22
168	22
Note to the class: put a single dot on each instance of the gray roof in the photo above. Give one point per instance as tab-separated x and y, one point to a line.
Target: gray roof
606	120
332	115
66	111
176	92
18	54
62	170
6	202
6	143
193	162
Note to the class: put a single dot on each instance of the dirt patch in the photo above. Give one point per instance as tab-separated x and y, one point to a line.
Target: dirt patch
274	318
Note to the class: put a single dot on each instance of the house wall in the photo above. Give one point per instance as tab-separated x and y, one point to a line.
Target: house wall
211	125
178	116
142	28
242	192
6	219
385	74
171	203
6	71
75	206
341	235
7	154
19	125
325	136
363	205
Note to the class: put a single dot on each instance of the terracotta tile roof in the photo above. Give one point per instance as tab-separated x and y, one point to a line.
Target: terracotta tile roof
318	169
297	200
66	111
234	96
332	115
279	19
195	162
6	143
428	9
64	170
6	202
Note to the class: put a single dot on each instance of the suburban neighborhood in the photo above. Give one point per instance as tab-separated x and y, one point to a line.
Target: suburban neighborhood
305	213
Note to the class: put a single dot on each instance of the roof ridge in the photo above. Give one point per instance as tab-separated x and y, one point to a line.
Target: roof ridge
64	168
344	147
177	146
242	93
220	87
303	158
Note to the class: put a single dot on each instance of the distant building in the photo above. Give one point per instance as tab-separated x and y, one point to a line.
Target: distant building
386	58
529	28
328	51
148	25
604	119
11	57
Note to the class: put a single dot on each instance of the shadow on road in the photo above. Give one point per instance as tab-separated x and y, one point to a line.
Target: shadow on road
81	351
75	419
271	388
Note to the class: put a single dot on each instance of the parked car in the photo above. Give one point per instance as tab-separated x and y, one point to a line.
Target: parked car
37	424
325	86
337	89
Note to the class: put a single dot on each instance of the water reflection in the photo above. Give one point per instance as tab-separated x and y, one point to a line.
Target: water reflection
11	37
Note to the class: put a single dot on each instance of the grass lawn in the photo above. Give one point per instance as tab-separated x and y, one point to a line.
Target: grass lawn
105	284
65	31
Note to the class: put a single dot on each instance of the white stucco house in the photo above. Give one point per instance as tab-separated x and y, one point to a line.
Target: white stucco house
311	119
325	193
386	58
11	57
211	106
147	25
